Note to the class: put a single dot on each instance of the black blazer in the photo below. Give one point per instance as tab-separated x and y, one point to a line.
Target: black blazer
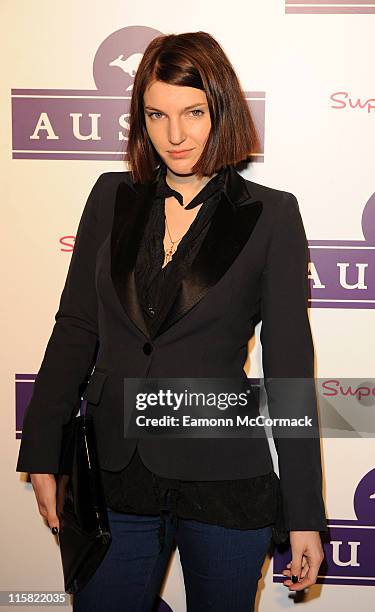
252	265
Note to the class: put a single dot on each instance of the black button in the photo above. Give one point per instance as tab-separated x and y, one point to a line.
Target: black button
147	348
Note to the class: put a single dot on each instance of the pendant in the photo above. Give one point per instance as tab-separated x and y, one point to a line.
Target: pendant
168	255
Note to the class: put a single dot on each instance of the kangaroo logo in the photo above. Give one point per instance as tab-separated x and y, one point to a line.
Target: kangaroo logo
128	65
118	57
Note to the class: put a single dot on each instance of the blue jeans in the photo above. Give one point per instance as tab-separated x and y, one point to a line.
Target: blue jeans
221	566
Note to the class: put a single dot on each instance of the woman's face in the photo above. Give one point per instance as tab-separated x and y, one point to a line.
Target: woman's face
178	123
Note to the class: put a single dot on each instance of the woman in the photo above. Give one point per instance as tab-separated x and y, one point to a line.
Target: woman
173	265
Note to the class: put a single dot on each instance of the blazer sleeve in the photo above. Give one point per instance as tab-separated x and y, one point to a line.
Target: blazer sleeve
288	353
70	353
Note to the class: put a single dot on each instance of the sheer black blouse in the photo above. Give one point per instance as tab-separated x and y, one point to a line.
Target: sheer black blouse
241	504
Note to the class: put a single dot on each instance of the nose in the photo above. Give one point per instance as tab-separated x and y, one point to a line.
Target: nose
176	133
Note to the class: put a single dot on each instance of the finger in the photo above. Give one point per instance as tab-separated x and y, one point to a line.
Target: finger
53	521
50	516
308	580
288	565
314	565
287	572
305	569
296	565
293	574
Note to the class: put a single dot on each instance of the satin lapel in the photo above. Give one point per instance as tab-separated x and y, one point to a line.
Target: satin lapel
132	208
231	226
230	229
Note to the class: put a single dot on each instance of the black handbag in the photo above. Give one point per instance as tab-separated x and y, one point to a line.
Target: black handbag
84	534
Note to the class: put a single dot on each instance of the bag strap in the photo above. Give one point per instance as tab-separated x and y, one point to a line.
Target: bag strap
83	410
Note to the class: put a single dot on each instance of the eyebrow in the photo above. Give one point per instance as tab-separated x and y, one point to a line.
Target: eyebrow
185	109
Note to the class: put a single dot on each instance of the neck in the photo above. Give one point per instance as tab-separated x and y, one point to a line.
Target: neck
186	182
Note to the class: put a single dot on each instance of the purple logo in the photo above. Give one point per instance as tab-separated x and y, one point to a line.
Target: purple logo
92	124
341	272
330	6
349	545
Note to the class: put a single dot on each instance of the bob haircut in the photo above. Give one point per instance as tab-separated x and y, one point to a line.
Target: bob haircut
192	60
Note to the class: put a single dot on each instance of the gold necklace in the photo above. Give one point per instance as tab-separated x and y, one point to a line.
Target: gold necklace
172	249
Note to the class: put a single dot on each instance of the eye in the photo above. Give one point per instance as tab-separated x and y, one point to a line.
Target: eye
154	115
197	112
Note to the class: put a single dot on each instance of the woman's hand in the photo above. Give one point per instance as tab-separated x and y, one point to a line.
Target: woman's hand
307	556
44	486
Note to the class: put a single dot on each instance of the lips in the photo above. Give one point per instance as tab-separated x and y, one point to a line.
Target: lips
181	151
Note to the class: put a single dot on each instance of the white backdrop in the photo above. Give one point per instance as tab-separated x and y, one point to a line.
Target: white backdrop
324	155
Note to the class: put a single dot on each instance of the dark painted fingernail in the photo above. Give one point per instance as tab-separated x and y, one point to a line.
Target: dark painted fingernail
294	579
54	530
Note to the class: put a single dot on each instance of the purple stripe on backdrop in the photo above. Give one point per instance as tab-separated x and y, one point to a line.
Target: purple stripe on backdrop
74	93
344	274
326	10
342	304
255	94
350	581
338	2
77	156
342	243
82	125
25	376
26	112
344	522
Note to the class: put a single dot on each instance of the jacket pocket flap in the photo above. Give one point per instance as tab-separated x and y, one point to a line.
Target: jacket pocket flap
94	387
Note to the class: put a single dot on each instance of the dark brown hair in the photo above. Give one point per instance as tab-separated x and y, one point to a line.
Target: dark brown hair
193	59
